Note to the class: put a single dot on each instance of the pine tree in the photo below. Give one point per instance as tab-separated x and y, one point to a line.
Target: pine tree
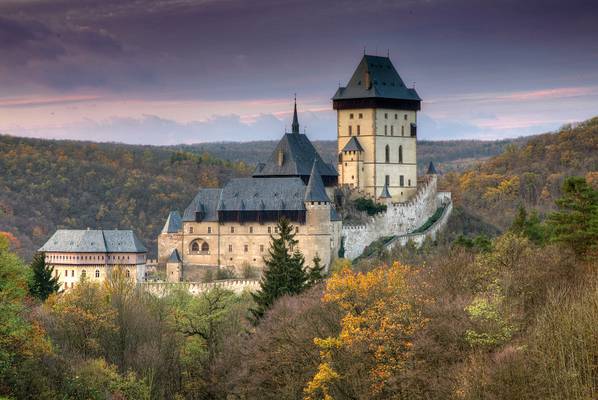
42	284
284	272
316	272
576	222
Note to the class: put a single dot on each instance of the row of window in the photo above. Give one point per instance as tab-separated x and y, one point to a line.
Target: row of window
392	130
232	228
201	246
351	116
84	273
401	180
90	258
387	154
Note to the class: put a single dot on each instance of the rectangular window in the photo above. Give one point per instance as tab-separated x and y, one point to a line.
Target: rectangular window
350	130
73	273
402	131
402	180
269	229
261	248
209	229
351	116
358	130
396	116
251	229
409	182
232	229
230	248
190	229
245	248
385	130
360	115
387	180
297	228
385	115
392	130
405	117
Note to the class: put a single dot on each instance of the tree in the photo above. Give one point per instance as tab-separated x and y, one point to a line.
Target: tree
41	283
316	272
576	222
284	273
529	225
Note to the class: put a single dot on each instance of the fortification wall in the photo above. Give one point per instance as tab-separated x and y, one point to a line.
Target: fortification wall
196	288
399	219
432	231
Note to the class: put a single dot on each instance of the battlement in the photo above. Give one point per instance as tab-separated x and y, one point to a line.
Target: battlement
196	288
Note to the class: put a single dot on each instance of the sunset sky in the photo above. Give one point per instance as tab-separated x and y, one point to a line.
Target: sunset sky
173	71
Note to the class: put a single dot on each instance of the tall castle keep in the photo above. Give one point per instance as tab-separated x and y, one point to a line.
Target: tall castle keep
377	131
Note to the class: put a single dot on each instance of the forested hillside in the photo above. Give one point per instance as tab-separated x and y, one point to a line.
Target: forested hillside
48	184
530	175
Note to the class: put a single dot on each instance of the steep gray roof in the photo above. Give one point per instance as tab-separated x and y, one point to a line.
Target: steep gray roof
173	223
376	77
298	157
353	145
385	194
255	194
431	169
174	257
315	187
334	215
206	200
94	241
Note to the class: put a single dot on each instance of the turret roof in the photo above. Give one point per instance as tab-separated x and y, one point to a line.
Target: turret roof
173	223
315	187
353	145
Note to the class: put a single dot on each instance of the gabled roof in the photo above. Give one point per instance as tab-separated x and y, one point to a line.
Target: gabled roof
94	241
376	77
173	223
353	145
268	194
431	169
315	187
174	257
385	194
298	155
206	201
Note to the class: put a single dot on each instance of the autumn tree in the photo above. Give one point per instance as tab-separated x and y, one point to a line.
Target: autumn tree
284	271
41	283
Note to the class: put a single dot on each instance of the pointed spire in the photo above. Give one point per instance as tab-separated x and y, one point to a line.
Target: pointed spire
295	125
431	169
173	223
385	194
315	190
175	257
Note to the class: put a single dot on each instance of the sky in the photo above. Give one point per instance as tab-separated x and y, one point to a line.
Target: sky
188	71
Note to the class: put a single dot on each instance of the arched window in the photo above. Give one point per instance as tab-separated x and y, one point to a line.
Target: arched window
97	273
195	247
387	153
205	247
400	154
199	246
83	274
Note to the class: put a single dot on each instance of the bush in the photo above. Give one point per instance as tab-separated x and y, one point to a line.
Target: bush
369	206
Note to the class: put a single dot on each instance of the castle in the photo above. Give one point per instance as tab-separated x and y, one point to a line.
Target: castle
377	134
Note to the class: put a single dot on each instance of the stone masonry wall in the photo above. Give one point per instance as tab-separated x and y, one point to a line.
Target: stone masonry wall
196	288
399	219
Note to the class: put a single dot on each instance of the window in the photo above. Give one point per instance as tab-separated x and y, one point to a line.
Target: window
209	229
340	157
385	115
350	130
385	130
269	229
195	247
358	130
392	130
387	180
205	247
409	182
402	131
245	248
261	248
251	229
232	229
83	274
73	273
190	229
360	115
402	180
387	154
400	154
405	117
128	274
230	248
297	228
396	116
97	273
351	116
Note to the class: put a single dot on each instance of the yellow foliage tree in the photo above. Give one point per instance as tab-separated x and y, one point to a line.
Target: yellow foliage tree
375	344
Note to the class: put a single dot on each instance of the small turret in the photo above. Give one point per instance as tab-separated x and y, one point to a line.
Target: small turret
315	190
431	169
174	267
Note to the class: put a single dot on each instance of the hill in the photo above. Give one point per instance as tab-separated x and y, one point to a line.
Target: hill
530	175
46	184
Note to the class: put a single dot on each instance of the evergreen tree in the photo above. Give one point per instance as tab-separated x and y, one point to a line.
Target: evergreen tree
576	222
42	284
529	226
316	272
284	273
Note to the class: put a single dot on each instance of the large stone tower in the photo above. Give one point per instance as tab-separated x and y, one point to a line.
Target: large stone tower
377	130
